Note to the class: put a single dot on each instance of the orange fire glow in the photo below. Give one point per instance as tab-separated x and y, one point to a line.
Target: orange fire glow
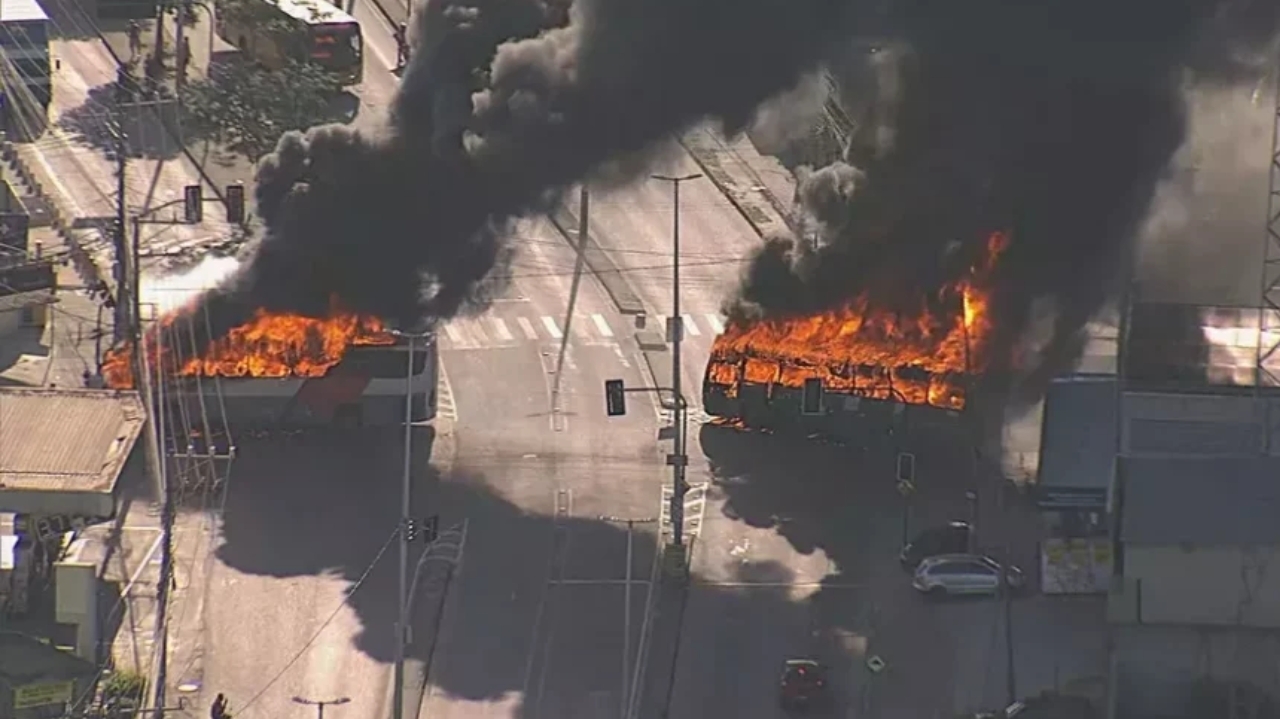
862	350
268	345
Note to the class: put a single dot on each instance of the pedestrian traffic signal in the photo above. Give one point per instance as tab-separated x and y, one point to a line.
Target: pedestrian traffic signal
431	528
615	398
235	204
812	400
410	529
193	203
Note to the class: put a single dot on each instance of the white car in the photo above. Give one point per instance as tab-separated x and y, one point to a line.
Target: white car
956	574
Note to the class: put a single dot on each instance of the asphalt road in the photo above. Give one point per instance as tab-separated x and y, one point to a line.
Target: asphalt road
303	522
532	484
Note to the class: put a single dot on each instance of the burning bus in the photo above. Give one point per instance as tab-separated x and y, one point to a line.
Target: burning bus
856	360
284	370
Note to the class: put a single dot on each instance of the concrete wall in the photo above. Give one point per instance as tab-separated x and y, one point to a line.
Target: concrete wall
1206	585
1155	667
1166	425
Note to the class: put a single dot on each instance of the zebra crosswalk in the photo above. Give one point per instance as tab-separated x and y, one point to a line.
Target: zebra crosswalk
493	330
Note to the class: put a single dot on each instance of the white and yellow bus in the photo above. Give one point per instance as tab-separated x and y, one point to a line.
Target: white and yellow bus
275	32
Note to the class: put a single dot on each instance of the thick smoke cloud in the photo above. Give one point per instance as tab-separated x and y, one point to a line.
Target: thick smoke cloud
1052	120
495	117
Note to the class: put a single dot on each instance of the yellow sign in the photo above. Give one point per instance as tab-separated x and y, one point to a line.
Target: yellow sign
38	695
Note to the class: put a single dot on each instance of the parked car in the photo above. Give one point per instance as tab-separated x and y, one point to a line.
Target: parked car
955	574
949	538
803	685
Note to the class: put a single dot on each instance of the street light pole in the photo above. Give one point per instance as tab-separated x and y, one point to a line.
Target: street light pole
322	704
626	606
402	623
675	330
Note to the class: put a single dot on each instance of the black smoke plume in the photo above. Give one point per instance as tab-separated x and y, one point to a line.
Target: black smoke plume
1052	120
495	117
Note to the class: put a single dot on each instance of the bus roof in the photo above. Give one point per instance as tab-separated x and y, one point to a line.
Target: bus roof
18	10
312	12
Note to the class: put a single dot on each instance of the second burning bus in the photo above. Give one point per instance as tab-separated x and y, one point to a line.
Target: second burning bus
276	32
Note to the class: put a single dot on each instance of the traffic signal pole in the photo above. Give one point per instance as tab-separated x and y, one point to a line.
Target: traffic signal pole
678	459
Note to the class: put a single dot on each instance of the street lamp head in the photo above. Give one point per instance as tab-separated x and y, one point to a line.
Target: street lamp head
300	700
341	700
673	178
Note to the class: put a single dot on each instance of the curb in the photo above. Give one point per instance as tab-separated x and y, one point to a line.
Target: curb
599	262
760	220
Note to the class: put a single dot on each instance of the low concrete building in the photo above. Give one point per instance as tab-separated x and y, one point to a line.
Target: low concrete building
1195	596
38	680
63	455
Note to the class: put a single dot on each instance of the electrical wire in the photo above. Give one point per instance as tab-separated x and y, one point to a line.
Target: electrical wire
328	620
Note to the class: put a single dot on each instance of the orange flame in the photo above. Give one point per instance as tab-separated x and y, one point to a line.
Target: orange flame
268	345
858	349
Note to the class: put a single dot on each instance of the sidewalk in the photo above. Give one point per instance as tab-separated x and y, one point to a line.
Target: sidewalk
72	164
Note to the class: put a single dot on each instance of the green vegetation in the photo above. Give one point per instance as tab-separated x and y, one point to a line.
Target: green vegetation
123	689
245	109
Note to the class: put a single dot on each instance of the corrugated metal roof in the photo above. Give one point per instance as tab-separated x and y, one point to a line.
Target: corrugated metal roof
66	440
1078	440
22	10
1222	501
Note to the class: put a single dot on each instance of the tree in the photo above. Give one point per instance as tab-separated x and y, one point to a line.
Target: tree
247	109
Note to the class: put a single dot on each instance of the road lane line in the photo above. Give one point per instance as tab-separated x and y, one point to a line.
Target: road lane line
605	329
717	324
504	334
552	328
690	326
474	329
527	328
454	336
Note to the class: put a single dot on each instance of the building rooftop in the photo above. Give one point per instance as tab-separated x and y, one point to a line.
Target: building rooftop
27	660
66	440
1078	438
11	10
1222	501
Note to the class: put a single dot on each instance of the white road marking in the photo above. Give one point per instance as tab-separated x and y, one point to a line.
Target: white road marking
500	327
454	335
527	328
690	326
552	328
605	329
717	324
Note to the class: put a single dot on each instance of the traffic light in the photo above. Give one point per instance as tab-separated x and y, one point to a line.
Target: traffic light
615	398
193	203
431	528
410	529
812	401
235	204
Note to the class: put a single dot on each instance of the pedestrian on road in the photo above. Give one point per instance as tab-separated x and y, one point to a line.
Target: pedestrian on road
184	56
135	38
402	46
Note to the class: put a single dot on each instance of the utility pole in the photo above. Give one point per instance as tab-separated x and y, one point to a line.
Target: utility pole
626	606
678	459
406	498
1011	680
122	320
584	207
320	705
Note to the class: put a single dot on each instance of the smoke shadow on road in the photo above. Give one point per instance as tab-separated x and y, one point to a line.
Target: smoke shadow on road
842	502
325	505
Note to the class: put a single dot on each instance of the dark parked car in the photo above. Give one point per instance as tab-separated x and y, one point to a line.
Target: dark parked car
803	684
950	538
